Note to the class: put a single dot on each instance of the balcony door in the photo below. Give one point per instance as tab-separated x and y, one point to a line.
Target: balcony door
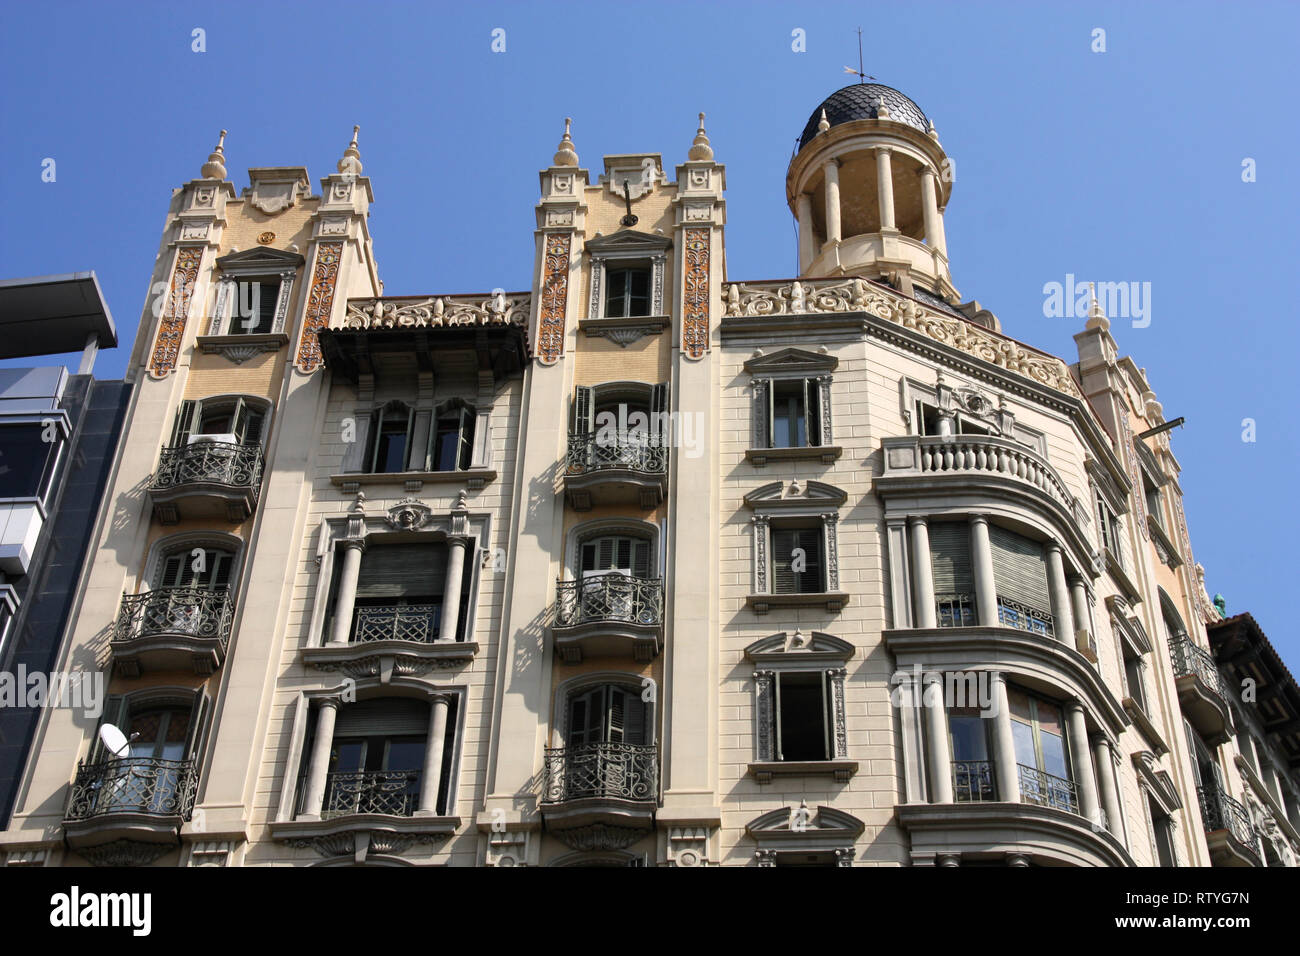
377	758
972	767
607	728
1038	729
220	420
400	592
183	598
161	738
610	566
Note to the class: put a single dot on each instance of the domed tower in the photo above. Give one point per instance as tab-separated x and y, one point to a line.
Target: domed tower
868	186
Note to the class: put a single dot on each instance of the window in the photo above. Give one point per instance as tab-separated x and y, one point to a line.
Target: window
1020	576
190	593
453	442
28	459
198	567
254	307
954	582
402	438
799	703
972	769
233	420
797	560
156	774
1152	495
803	716
627	292
792	405
1135	680
928	419
1038	731
400	593
1110	530
607	714
1162	834
794	413
619	554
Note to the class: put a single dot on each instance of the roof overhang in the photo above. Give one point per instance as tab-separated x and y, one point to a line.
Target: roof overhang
50	315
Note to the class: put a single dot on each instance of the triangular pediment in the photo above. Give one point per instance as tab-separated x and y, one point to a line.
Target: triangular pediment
783	494
824	822
260	258
799	647
787	361
628	242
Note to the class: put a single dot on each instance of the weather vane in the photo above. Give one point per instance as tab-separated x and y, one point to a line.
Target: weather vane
629	220
859	72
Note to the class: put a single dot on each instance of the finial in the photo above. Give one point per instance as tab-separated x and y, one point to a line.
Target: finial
700	148
565	154
823	124
1096	318
215	167
351	161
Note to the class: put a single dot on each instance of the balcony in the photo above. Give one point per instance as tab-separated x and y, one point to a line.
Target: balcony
972	781
608	614
618	471
392	792
206	479
1045	790
1014	614
129	809
600	796
172	629
1201	690
407	635
1228	830
396	622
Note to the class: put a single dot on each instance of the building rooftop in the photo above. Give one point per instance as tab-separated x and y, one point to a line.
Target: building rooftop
51	315
862	101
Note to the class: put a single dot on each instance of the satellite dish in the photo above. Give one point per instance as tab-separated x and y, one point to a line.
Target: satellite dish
114	740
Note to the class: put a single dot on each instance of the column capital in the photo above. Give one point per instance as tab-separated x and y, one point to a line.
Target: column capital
333	703
832	162
917	520
358	544
979	519
1051	546
881	148
441	698
461	539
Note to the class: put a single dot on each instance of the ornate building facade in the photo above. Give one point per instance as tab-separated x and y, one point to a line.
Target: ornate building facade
643	565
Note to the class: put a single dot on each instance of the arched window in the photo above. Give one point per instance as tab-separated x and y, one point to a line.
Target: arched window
607	714
186	566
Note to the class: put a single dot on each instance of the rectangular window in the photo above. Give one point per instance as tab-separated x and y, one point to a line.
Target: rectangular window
972	768
253	312
1152	495
1110	530
794	413
803	715
1020	575
27	460
1038	731
954	581
627	292
399	593
797	564
1162	832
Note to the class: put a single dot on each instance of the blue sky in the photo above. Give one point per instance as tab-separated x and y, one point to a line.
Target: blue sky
1117	166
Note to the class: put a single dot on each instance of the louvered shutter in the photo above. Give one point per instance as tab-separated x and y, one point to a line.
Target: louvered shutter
184	423
586	718
403	571
220	564
248	426
1020	569
950	558
391	717
641	559
784	543
172	572
583	405
197	729
115	714
268	294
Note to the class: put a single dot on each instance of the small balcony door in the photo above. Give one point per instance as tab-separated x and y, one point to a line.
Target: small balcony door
176	604
149	778
1038	729
604	722
608	565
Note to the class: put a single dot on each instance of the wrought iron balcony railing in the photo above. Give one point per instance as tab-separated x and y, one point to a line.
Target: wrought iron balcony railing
955	610
394	792
194	612
1046	790
1014	614
1221	812
1189	660
972	781
619	771
145	785
647	454
612	597
210	463
397	622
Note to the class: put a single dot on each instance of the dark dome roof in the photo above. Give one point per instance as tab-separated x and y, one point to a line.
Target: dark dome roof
859	101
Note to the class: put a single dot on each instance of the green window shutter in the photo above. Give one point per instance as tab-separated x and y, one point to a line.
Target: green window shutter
1020	569
403	572
950	558
184	423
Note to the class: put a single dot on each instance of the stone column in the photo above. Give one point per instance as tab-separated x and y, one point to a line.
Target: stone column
930	209
936	726
451	589
948	859
1106	781
922	574
1062	619
986	592
1005	769
318	768
833	200
1079	605
431	779
346	597
807	247
885	188
1085	782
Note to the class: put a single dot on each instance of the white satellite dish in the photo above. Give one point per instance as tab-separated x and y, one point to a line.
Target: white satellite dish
114	740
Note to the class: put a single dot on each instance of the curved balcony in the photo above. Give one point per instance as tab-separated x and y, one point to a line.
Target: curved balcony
600	796
1228	830
206	479
608	615
623	470
129	809
172	629
1201	690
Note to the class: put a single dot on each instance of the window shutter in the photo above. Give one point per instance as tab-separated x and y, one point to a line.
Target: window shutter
783	545
1020	568
173	566
785	579
950	558
634	718
641	558
250	428
184	423
421	443
391	717
810	413
220	564
583	420
403	571
762	413
605	554
465	438
115	714
354	455
659	414
197	730
268	294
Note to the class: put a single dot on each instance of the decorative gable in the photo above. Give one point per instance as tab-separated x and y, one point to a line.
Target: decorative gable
779	495
797	648
792	362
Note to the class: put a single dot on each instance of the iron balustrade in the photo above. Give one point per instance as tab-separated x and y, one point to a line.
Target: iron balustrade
612	597
620	771
147	785
955	610
1047	790
194	612
640	452
972	781
211	463
1221	812
1014	614
397	622
1192	661
394	792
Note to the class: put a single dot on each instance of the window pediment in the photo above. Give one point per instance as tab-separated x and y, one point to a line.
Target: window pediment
794	362
797	648
1158	782
778	495
259	261
626	242
775	825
